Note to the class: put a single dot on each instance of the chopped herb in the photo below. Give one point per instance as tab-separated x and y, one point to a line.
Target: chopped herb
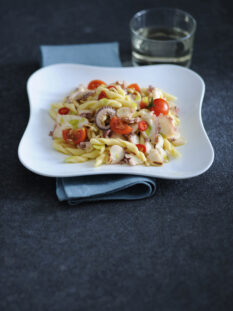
151	104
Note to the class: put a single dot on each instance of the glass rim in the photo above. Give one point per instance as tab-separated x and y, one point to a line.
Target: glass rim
139	13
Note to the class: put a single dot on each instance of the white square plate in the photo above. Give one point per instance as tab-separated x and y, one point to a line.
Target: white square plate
51	84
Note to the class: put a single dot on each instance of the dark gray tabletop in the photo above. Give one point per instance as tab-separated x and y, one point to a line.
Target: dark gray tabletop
171	252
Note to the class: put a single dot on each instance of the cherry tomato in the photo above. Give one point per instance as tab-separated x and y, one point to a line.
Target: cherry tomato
142	126
78	135
143	105
141	147
102	95
160	106
134	86
63	110
74	135
66	134
111	86
119	126
94	84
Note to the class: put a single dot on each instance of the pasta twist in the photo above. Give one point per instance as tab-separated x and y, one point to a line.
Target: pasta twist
61	146
96	104
83	158
114	93
169	147
120	142
101	159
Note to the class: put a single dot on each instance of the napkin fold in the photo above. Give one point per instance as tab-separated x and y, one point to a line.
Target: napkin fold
104	187
98	54
76	190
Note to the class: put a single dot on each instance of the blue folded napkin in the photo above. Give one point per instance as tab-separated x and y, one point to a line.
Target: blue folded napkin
76	190
101	54
104	187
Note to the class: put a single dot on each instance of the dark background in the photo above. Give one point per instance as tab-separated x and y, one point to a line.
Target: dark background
170	252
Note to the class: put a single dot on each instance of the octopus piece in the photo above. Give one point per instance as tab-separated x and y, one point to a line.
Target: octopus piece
133	138
103	117
85	145
57	132
87	114
107	133
167	127
132	159
131	120
148	146
134	127
116	154
155	157
178	141
174	109
155	92
81	93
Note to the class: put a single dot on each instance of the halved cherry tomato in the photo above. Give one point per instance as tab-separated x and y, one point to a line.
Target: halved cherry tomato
119	126
102	95
143	105
142	126
134	86
160	106
141	147
74	135
66	134
94	84
111	86
63	110
78	135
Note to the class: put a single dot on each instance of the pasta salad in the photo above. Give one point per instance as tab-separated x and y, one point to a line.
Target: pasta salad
117	123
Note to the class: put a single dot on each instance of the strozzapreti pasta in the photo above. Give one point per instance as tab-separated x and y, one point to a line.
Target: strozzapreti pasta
117	123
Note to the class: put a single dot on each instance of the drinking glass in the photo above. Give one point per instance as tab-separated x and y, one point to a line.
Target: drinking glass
162	36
